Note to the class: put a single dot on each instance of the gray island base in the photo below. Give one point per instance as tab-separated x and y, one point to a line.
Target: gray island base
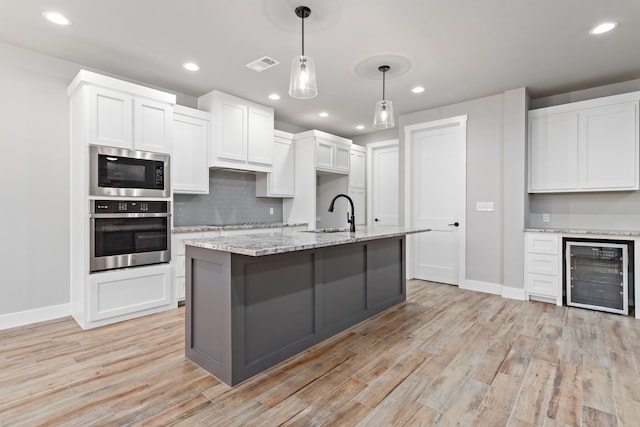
253	301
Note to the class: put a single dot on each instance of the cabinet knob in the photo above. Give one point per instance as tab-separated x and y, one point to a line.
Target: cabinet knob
376	220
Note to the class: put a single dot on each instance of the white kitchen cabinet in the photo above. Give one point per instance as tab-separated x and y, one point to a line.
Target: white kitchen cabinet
357	182
242	132
585	146
321	172
332	155
190	151
281	181
543	267
122	114
127	293
178	251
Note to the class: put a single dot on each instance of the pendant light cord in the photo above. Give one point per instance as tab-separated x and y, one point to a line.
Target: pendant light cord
383	80
302	33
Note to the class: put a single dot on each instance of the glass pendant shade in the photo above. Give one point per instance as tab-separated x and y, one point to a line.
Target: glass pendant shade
302	84
383	118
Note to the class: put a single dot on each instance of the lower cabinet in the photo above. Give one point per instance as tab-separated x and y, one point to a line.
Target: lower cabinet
178	250
543	267
127	293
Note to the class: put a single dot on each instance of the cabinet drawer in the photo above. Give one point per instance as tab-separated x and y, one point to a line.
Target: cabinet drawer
540	243
541	284
543	264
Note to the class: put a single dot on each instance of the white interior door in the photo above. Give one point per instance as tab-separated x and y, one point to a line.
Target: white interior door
435	193
383	179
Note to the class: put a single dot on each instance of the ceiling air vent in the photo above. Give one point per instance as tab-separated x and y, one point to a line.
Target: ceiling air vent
262	64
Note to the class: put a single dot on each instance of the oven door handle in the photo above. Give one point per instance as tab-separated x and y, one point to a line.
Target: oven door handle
129	215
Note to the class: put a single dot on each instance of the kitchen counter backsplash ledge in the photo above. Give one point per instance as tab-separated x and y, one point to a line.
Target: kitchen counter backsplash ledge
198	228
628	233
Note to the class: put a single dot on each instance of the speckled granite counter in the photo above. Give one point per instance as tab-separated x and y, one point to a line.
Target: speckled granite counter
278	242
628	233
198	228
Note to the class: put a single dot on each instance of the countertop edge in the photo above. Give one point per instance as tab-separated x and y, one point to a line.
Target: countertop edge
198	228
627	233
211	244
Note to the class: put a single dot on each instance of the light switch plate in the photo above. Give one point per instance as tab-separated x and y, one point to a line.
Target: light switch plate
545	218
484	206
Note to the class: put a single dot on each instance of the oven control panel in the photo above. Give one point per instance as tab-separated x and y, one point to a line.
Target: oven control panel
130	206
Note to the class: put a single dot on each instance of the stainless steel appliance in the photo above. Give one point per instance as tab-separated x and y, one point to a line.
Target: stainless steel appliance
121	172
127	233
599	274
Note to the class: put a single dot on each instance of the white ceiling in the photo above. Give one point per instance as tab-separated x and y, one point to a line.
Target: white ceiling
457	49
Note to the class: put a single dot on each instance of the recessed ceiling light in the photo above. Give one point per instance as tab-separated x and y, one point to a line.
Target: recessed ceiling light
605	27
417	89
57	18
191	66
360	127
323	114
274	97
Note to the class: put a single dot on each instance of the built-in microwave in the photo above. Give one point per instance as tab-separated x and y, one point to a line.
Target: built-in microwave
121	172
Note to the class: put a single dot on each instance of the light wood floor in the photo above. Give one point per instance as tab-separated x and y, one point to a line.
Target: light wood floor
445	357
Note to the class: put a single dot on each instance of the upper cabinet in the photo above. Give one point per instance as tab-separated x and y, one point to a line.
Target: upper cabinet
585	146
242	132
333	154
279	182
122	114
190	151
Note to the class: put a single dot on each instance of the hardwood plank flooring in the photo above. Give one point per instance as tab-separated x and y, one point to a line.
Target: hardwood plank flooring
445	357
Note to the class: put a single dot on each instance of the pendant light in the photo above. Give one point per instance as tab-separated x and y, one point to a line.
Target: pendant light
303	71
383	118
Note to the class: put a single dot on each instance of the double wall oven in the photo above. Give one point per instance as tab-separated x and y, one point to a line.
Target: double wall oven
135	231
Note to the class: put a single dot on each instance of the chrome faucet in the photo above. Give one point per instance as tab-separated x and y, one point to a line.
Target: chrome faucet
350	219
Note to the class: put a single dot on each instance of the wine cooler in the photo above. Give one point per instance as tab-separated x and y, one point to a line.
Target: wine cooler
598	274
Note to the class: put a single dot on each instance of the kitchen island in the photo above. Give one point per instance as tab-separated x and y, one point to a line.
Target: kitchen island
255	300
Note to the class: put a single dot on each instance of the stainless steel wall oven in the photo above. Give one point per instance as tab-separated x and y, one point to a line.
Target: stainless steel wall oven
128	233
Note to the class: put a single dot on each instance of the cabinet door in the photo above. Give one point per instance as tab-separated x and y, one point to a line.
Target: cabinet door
231	130
281	180
324	154
357	172
609	147
553	153
110	118
260	137
152	125
190	168
358	195
342	158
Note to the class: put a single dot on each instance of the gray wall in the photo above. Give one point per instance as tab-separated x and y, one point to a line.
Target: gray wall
598	210
231	200
484	243
384	135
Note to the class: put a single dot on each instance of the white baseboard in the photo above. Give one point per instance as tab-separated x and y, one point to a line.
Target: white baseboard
475	285
493	288
513	293
27	317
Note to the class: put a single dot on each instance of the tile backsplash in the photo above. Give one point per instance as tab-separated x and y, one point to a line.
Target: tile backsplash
231	200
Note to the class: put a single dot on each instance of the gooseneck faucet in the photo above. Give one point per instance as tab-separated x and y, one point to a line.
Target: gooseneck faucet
350	219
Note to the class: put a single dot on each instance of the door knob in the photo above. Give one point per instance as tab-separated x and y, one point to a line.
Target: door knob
455	224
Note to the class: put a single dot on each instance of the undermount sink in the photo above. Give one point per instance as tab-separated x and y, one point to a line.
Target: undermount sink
327	230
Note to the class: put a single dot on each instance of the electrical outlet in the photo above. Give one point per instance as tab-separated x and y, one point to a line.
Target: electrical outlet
270	211
484	206
546	218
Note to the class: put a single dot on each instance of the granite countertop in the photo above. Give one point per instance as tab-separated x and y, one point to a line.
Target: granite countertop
280	242
629	233
245	226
